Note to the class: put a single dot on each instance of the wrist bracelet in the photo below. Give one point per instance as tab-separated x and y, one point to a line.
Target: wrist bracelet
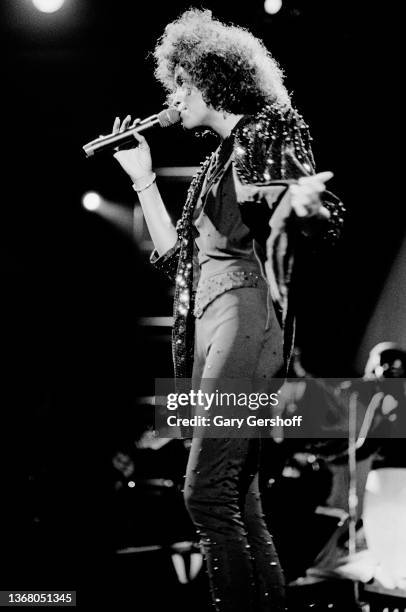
146	186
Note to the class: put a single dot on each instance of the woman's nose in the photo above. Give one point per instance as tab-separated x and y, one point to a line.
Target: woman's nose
178	98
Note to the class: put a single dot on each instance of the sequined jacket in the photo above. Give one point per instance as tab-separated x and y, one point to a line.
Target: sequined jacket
270	150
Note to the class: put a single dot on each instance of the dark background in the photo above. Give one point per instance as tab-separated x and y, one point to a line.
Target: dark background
75	359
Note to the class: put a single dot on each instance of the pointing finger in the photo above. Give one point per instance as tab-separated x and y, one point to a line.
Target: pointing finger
323	176
316	179
125	123
320	178
308	189
116	125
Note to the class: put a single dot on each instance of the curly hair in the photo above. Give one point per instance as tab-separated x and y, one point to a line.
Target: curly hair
230	66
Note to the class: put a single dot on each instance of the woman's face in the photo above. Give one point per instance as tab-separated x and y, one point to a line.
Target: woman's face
194	111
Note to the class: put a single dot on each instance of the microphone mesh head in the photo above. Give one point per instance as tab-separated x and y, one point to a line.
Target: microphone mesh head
168	117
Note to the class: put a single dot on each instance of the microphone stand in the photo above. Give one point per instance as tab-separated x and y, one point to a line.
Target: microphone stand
353	445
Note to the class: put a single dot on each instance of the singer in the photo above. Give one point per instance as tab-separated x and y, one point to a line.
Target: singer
221	78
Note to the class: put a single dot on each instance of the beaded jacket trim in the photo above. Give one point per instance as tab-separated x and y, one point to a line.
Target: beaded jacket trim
274	145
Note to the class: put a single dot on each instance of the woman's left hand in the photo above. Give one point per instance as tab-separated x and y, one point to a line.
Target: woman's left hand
305	195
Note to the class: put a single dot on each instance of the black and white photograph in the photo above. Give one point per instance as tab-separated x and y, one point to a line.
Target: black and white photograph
204	287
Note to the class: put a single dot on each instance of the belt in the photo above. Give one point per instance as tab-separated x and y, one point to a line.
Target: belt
210	288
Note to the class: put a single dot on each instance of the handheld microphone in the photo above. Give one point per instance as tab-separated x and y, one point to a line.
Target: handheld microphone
167	117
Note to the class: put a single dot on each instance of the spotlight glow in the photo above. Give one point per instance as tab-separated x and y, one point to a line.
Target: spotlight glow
272	6
91	200
48	6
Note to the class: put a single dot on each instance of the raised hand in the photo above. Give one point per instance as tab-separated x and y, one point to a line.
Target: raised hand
136	161
305	195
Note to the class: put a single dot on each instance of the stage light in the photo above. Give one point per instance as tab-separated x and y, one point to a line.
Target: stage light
272	6
91	201
48	6
384	525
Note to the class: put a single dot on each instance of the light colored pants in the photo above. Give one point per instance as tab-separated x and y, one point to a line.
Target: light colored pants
237	337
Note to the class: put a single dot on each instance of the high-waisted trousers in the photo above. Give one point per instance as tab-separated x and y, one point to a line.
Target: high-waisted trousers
237	337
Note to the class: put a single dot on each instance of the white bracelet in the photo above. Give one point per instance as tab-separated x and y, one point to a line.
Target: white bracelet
147	185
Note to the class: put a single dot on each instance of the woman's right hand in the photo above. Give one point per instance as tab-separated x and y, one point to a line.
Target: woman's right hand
136	161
